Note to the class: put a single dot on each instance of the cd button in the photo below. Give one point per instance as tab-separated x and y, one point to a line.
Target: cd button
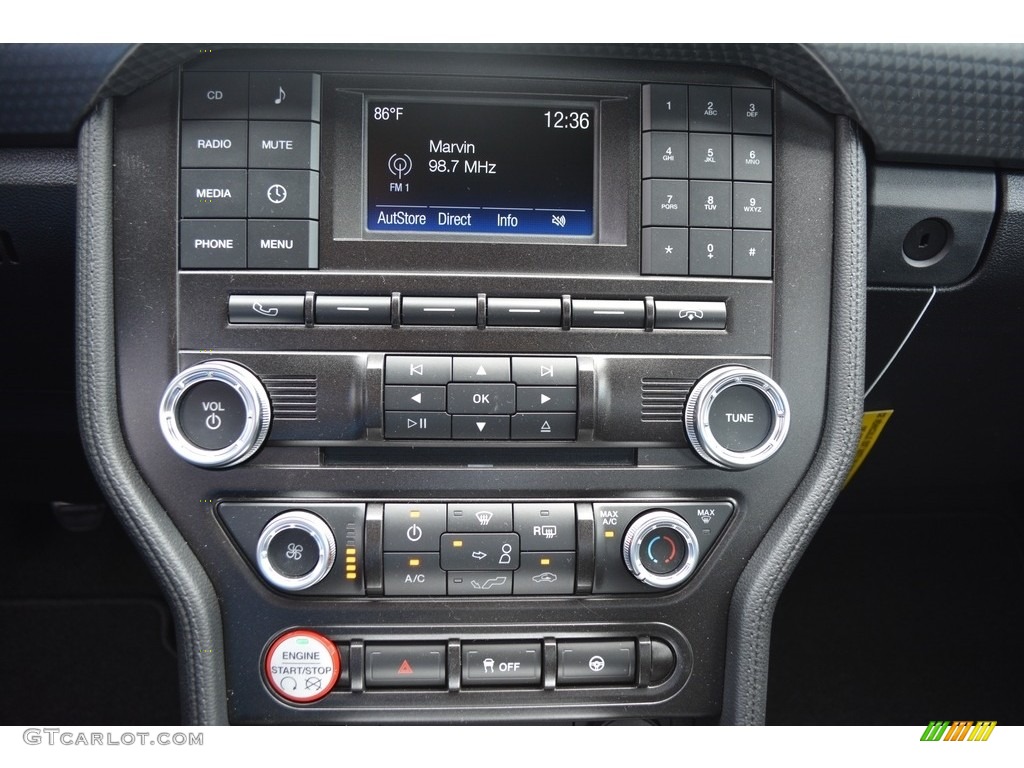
215	95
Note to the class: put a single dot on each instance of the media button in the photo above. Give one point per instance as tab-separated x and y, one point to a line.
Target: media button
213	194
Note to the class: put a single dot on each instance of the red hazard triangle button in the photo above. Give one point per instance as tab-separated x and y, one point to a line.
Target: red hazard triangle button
413	665
405	668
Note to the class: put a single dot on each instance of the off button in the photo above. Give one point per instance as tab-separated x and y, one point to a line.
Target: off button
212	415
302	666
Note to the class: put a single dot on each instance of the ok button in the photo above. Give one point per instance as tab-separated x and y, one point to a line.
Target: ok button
481	398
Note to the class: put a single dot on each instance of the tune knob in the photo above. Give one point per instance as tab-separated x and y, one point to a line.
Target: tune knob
660	548
215	414
736	417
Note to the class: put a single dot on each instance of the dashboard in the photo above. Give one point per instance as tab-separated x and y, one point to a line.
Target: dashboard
491	384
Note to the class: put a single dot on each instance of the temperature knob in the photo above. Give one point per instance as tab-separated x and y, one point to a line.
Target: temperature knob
215	414
736	417
660	548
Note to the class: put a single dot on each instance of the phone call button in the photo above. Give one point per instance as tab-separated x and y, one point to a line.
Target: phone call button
277	310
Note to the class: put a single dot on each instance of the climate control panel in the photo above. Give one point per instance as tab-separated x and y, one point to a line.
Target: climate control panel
475	549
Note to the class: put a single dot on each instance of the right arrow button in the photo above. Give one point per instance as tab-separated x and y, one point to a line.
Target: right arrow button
546	399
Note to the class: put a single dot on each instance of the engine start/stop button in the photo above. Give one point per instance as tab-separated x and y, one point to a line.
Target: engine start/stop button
302	666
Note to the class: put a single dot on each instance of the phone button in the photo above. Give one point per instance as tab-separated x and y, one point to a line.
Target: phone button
263	309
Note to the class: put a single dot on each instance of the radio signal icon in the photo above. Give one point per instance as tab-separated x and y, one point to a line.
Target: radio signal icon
558	220
400	165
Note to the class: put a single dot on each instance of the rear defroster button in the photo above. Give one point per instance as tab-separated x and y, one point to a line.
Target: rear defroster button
302	666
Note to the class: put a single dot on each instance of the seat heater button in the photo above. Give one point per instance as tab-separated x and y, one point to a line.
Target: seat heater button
302	666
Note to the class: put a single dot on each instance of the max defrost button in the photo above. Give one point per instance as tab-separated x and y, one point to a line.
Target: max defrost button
302	666
501	664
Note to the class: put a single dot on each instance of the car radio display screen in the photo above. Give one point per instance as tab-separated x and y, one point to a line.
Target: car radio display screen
480	168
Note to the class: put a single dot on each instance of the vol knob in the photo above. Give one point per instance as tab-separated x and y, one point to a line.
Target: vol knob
736	417
215	414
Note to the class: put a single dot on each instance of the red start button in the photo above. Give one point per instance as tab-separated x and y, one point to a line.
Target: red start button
302	666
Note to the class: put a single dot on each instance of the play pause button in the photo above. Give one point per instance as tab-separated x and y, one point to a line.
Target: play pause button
417	425
480	427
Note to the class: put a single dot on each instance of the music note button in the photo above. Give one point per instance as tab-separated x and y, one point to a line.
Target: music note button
284	96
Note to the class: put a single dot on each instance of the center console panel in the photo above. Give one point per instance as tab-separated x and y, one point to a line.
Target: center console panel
471	382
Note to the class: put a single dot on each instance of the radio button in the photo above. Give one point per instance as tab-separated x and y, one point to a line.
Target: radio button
665	251
413	527
524	312
213	144
554	371
752	158
711	252
266	310
752	110
353	310
481	369
284	96
405	369
752	205
665	155
420	310
546	399
480	518
284	194
409	398
710	204
607	313
751	253
703	315
284	145
710	108
545	527
481	398
417	425
545	573
664	203
283	244
413	573
213	194
215	95
665	107
544	426
710	156
480	427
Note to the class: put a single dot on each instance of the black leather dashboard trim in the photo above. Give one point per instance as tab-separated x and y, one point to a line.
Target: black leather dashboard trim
762	581
185	584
